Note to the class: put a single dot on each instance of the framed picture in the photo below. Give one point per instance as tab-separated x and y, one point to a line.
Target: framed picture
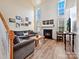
26	24
18	18
17	25
22	24
47	22
29	22
52	21
12	20
26	19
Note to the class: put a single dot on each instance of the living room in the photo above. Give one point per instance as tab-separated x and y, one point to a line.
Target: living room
32	19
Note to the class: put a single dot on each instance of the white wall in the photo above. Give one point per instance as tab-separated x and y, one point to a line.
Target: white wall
4	46
23	8
77	37
49	11
70	5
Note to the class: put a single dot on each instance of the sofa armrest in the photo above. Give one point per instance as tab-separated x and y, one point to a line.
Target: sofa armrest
22	44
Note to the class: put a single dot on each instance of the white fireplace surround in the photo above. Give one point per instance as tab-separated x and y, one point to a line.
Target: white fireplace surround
53	26
47	27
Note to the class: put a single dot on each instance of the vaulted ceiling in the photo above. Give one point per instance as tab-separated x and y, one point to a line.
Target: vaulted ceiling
36	2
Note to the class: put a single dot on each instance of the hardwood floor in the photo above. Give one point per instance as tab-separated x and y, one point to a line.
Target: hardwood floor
50	49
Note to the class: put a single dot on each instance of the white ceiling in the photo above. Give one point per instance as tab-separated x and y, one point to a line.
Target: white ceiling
36	2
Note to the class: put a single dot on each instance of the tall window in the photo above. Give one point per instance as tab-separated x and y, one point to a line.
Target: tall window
61	7
37	19
38	14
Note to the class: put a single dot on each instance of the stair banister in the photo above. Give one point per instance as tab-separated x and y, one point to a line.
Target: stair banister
10	35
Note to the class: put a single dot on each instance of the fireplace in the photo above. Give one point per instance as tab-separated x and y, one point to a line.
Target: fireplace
47	33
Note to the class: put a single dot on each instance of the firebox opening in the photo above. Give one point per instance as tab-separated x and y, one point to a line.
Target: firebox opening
47	33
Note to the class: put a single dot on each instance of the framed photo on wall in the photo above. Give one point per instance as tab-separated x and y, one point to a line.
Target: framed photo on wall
26	19
18	17
12	20
29	22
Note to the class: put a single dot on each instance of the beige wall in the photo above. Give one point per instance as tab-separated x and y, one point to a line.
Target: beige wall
23	8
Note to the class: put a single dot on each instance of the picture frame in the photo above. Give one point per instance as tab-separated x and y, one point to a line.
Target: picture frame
51	21
12	20
18	17
26	19
29	22
26	24
48	22
17	25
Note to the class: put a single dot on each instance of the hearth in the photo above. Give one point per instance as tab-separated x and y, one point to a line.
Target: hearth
47	33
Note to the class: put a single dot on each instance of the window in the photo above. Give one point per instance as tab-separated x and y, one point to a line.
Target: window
38	14
61	7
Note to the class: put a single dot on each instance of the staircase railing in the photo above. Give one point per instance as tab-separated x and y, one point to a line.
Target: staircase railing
10	35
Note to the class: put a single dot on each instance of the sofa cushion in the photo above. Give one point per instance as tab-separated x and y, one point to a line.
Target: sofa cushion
22	44
24	37
19	33
25	33
16	40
